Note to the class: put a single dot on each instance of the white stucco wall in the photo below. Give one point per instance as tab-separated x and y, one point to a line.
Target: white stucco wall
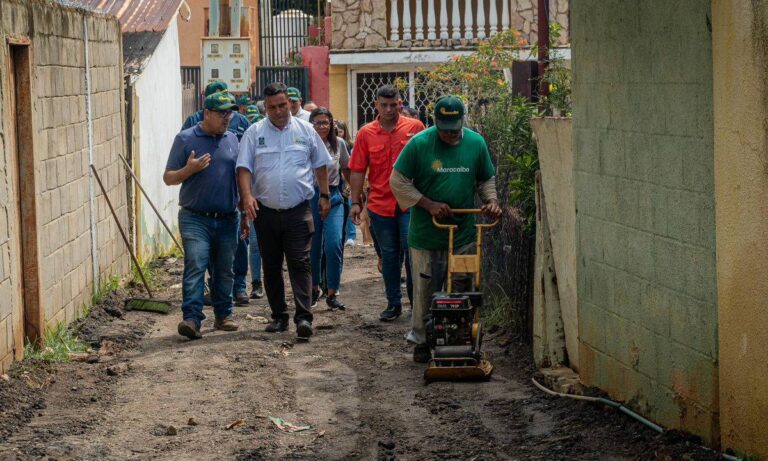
159	108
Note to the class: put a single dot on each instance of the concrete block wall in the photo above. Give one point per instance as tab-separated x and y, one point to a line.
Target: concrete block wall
644	156
60	133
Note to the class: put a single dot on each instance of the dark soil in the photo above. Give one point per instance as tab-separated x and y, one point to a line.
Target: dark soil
354	383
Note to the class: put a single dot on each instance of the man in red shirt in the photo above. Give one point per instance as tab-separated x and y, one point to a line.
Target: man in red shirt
377	146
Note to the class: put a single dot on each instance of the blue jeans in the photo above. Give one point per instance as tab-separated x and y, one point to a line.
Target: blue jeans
240	265
351	233
255	256
327	240
392	236
207	240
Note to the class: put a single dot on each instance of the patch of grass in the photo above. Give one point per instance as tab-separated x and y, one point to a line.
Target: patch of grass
106	287
57	344
499	310
150	274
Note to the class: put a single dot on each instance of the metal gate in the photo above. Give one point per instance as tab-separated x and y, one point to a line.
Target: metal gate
284	29
295	76
190	77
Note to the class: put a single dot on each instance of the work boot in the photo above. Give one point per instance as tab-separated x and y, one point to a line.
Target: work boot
391	313
303	329
257	292
277	326
241	298
225	324
189	329
334	304
422	353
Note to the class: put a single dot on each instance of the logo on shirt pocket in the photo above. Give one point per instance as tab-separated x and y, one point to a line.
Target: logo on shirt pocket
262	143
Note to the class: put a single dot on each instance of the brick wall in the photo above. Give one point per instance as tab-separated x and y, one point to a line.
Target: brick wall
645	207
61	158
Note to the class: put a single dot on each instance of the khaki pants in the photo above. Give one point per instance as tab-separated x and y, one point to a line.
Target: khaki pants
430	270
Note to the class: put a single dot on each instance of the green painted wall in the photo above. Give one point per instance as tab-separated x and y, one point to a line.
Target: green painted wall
645	207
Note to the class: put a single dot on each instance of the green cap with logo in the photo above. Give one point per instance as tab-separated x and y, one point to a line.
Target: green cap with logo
220	101
252	114
215	87
293	94
449	113
244	100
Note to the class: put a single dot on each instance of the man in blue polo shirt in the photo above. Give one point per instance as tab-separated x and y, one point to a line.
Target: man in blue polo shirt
202	160
237	124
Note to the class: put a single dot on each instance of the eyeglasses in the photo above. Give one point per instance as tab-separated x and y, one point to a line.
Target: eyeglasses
322	124
222	113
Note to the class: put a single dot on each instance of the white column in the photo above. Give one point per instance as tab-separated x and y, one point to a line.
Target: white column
443	19
468	33
406	19
431	20
455	20
493	18
394	21
480	20
419	21
505	15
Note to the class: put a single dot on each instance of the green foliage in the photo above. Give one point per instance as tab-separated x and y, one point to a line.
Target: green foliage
558	77
106	287
56	346
150	274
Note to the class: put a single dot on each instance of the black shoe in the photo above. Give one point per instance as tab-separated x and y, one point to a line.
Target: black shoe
391	313
422	353
315	296
277	325
257	292
241	299
334	304
303	329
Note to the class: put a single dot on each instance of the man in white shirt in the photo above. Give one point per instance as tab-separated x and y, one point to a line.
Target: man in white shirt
294	95
280	158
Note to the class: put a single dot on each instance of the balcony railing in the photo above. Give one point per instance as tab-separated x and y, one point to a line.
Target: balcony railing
454	20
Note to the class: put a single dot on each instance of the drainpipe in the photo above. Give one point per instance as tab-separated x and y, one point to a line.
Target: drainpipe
543	22
235	15
91	189
213	18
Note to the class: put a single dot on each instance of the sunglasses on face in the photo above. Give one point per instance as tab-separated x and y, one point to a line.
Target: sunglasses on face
321	124
222	113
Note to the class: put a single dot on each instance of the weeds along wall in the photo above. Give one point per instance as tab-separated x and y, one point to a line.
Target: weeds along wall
54	172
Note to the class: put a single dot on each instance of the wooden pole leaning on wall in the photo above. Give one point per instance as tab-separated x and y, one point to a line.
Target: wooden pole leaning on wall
154	208
122	232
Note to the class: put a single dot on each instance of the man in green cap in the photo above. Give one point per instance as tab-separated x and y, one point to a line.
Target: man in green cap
439	170
202	160
237	123
243	101
253	114
294	96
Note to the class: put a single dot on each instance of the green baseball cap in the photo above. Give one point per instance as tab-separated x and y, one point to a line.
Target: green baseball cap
252	114
449	113
293	94
255	118
215	87
244	100
220	101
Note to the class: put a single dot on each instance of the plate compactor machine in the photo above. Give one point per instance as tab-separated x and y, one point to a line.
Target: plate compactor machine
454	330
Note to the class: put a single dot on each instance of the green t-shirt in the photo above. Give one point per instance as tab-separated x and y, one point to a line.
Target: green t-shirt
446	174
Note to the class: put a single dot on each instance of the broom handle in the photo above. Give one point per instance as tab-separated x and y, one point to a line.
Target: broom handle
146	196
122	232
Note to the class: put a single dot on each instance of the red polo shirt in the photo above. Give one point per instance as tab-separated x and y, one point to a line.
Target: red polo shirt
376	150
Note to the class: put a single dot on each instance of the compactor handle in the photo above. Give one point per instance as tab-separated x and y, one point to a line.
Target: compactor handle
464	211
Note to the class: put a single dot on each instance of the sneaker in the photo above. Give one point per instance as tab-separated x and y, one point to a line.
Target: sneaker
257	292
277	325
391	313
334	304
225	324
189	329
349	243
315	296
241	299
422	353
303	329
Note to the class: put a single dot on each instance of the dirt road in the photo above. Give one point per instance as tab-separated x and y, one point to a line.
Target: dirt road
354	383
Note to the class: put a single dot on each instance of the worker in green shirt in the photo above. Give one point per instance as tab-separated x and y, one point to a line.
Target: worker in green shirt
441	169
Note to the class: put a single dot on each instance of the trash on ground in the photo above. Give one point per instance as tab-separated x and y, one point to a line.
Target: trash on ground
234	424
192	422
285	426
170	431
257	318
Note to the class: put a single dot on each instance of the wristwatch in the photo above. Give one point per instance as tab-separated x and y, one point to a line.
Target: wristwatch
325	196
